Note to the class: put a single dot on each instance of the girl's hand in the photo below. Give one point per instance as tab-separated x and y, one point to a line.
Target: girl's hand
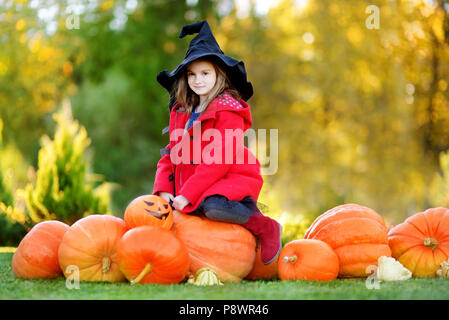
180	202
167	196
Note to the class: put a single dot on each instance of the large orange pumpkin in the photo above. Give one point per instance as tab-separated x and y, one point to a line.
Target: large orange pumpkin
227	248
37	253
261	270
149	254
421	242
90	244
357	234
308	259
149	210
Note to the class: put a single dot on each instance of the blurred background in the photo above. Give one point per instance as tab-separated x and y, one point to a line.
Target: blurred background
358	91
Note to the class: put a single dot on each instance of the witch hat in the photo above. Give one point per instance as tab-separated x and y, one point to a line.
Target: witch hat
205	45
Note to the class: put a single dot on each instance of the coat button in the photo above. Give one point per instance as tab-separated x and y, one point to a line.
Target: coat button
191	162
191	137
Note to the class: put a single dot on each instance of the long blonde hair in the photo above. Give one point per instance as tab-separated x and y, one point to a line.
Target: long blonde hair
189	99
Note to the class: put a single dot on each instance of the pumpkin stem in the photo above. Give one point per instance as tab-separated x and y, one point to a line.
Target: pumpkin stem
431	243
105	265
142	274
291	259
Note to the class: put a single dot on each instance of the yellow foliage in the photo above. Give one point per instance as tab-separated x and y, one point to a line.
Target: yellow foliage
20	24
35	43
13	213
439	187
354	34
23	38
106	5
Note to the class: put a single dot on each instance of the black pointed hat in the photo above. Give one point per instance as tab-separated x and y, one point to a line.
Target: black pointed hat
205	45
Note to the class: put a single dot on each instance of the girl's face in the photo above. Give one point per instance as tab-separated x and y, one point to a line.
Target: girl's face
201	77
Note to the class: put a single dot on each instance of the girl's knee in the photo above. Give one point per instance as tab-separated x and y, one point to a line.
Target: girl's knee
217	214
226	215
219	208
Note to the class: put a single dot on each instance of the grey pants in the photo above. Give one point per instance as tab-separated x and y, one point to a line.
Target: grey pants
218	207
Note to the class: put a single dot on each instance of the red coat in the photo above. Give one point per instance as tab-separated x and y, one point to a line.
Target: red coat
193	177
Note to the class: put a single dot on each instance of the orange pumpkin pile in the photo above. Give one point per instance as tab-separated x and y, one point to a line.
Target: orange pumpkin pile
144	247
154	244
105	248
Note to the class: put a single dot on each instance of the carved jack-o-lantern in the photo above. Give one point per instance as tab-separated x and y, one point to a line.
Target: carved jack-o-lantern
149	210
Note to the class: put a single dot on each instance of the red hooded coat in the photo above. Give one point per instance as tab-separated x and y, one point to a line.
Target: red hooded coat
186	168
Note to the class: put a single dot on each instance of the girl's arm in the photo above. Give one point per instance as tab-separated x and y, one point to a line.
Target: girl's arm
208	174
164	179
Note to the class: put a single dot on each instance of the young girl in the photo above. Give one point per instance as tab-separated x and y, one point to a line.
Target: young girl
208	93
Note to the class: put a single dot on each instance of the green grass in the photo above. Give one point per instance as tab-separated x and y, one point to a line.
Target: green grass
15	288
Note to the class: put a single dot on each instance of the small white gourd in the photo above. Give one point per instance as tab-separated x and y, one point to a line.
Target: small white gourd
389	269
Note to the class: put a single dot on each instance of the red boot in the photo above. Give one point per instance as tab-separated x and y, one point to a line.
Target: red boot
269	233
